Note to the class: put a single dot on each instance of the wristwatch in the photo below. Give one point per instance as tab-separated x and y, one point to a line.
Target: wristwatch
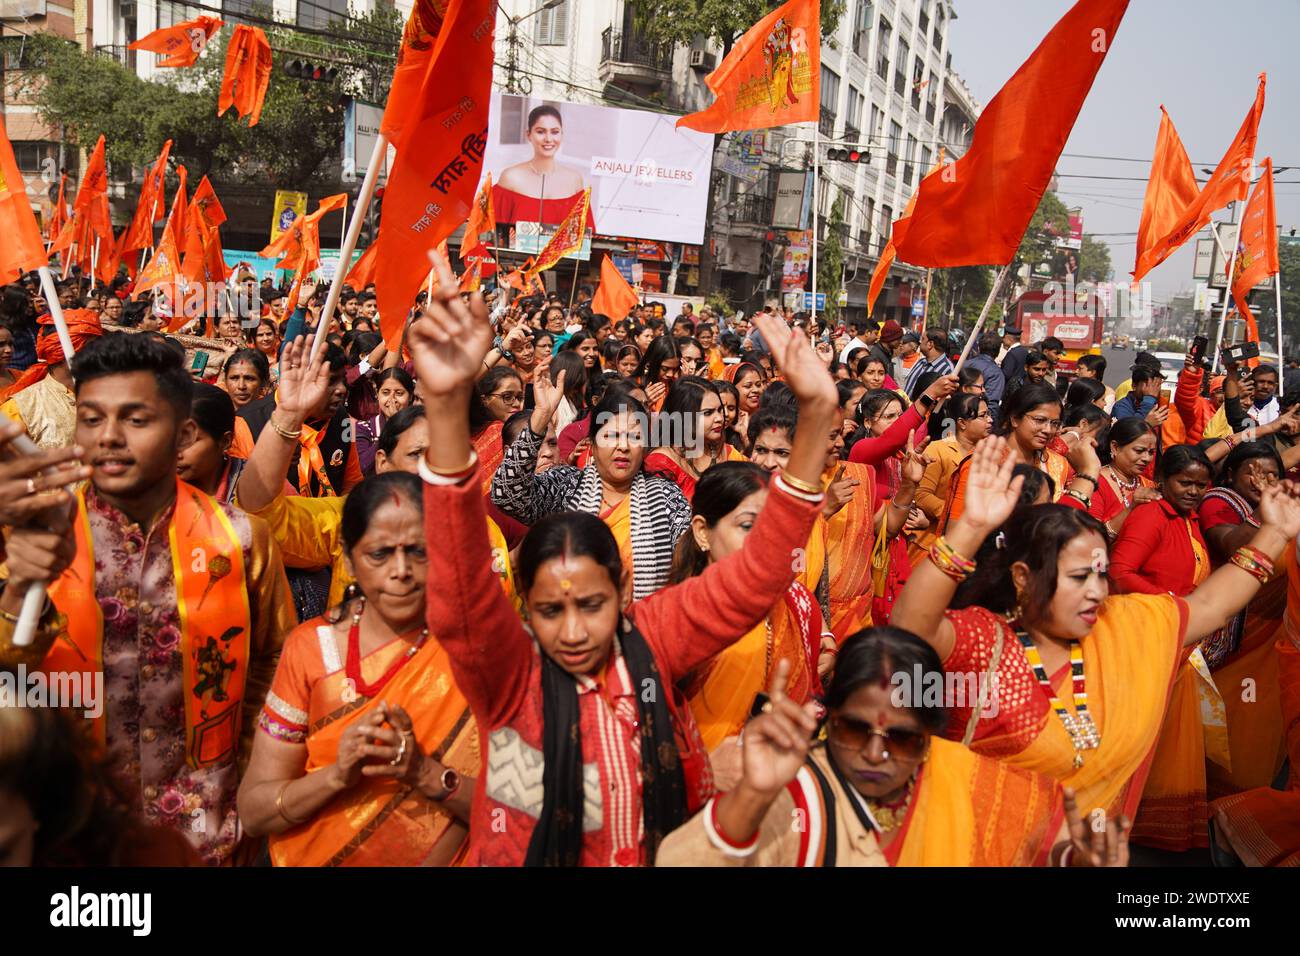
450	783
500	345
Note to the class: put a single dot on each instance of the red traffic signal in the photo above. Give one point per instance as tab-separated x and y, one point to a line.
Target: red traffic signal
306	70
845	155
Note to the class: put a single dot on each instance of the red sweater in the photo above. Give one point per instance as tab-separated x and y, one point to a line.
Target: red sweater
1153	553
497	665
872	451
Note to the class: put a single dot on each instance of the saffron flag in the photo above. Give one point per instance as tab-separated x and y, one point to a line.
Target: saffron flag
889	254
567	239
976	210
21	246
362	272
92	195
1230	182
1257	256
614	297
59	214
1171	190
472	278
163	270
439	159
180	44
413	56
179	214
247	75
482	218
202	259
139	234
295	239
771	77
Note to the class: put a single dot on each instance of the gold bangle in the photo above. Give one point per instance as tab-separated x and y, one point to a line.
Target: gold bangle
453	472
279	806
284	432
798	484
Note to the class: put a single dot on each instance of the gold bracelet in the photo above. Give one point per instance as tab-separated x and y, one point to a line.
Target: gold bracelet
279	806
284	432
13	618
453	472
797	484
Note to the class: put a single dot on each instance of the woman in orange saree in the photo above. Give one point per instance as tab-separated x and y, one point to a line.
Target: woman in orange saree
1036	629
882	788
365	745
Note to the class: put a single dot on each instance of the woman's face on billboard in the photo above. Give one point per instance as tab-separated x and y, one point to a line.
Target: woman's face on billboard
546	135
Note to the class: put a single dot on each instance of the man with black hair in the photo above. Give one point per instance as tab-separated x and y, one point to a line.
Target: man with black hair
1139	402
179	600
1013	354
1054	349
327	462
934	357
984	358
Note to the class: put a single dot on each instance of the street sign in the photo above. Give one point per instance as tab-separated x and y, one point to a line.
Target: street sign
808	301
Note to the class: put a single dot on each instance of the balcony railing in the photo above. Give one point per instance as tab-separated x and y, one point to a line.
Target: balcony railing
118	52
826	122
752	209
619	47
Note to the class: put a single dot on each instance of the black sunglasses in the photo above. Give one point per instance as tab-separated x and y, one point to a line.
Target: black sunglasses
856	735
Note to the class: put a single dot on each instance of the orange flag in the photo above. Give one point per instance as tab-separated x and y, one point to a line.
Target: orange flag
418	40
567	239
291	240
1257	257
439	159
889	254
164	269
202	260
482	218
472	278
181	44
139	234
976	210
614	298
363	270
771	77
59	214
92	195
21	247
248	73
179	214
1171	190
1230	182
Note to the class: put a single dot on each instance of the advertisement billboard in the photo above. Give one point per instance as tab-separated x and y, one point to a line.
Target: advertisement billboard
798	256
648	180
787	213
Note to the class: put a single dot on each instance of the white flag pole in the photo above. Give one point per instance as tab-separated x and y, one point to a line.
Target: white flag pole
359	211
984	313
812	322
1227	297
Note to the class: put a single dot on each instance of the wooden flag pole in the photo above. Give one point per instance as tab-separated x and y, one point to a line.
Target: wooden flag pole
350	241
984	313
925	306
29	617
573	290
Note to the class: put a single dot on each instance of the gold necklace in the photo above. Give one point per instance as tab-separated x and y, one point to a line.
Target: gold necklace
891	818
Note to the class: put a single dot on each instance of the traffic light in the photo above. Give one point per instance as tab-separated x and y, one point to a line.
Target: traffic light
306	70
846	155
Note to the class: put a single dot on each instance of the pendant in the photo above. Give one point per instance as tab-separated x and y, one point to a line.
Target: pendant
1078	761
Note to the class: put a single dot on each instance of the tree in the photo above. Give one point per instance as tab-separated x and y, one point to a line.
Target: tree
1094	261
830	256
960	291
723	22
295	144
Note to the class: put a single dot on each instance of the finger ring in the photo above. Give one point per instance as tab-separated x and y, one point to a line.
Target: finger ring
401	752
767	707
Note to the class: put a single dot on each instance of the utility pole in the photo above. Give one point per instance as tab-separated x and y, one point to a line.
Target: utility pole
515	82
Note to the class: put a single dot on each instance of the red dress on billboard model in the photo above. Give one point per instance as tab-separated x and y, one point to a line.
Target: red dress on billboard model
511	206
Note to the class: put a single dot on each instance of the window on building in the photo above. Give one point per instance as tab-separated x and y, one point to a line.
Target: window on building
886	223
892	147
909	159
873	131
938	28
29	156
318	14
900	67
171	13
932	97
923	19
862	27
552	27
926	157
882	49
853	119
830	97
868	224
918	83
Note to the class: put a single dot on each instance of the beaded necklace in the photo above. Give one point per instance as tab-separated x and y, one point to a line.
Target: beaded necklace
1079	725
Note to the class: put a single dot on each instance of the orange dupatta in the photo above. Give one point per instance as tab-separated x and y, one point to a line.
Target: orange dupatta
490	450
215	620
381	822
849	537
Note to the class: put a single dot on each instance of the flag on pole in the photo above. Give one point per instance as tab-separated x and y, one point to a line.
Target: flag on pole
1229	183
567	239
92	195
21	246
413	57
482	218
139	234
163	271
771	77
1171	190
247	75
362	272
180	44
439	158
1257	256
59	214
976	210
890	253
614	297
202	259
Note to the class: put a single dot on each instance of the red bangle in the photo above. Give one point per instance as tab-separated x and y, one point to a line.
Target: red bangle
722	835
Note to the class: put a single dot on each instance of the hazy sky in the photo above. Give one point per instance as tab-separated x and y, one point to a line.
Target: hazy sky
1200	58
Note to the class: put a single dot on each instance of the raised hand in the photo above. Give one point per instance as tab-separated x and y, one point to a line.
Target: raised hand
450	339
1279	508
304	383
1096	846
655	392
1156	417
941	388
839	493
913	463
804	372
31	484
777	741
991	492
1083	457
547	396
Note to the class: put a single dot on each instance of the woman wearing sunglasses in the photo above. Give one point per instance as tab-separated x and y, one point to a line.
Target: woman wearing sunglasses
880	787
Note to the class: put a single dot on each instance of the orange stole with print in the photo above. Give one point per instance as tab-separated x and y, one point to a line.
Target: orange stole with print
312	462
723	690
381	822
850	534
215	621
490	450
969	810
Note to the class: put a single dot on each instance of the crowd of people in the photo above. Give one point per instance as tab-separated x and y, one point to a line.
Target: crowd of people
543	586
